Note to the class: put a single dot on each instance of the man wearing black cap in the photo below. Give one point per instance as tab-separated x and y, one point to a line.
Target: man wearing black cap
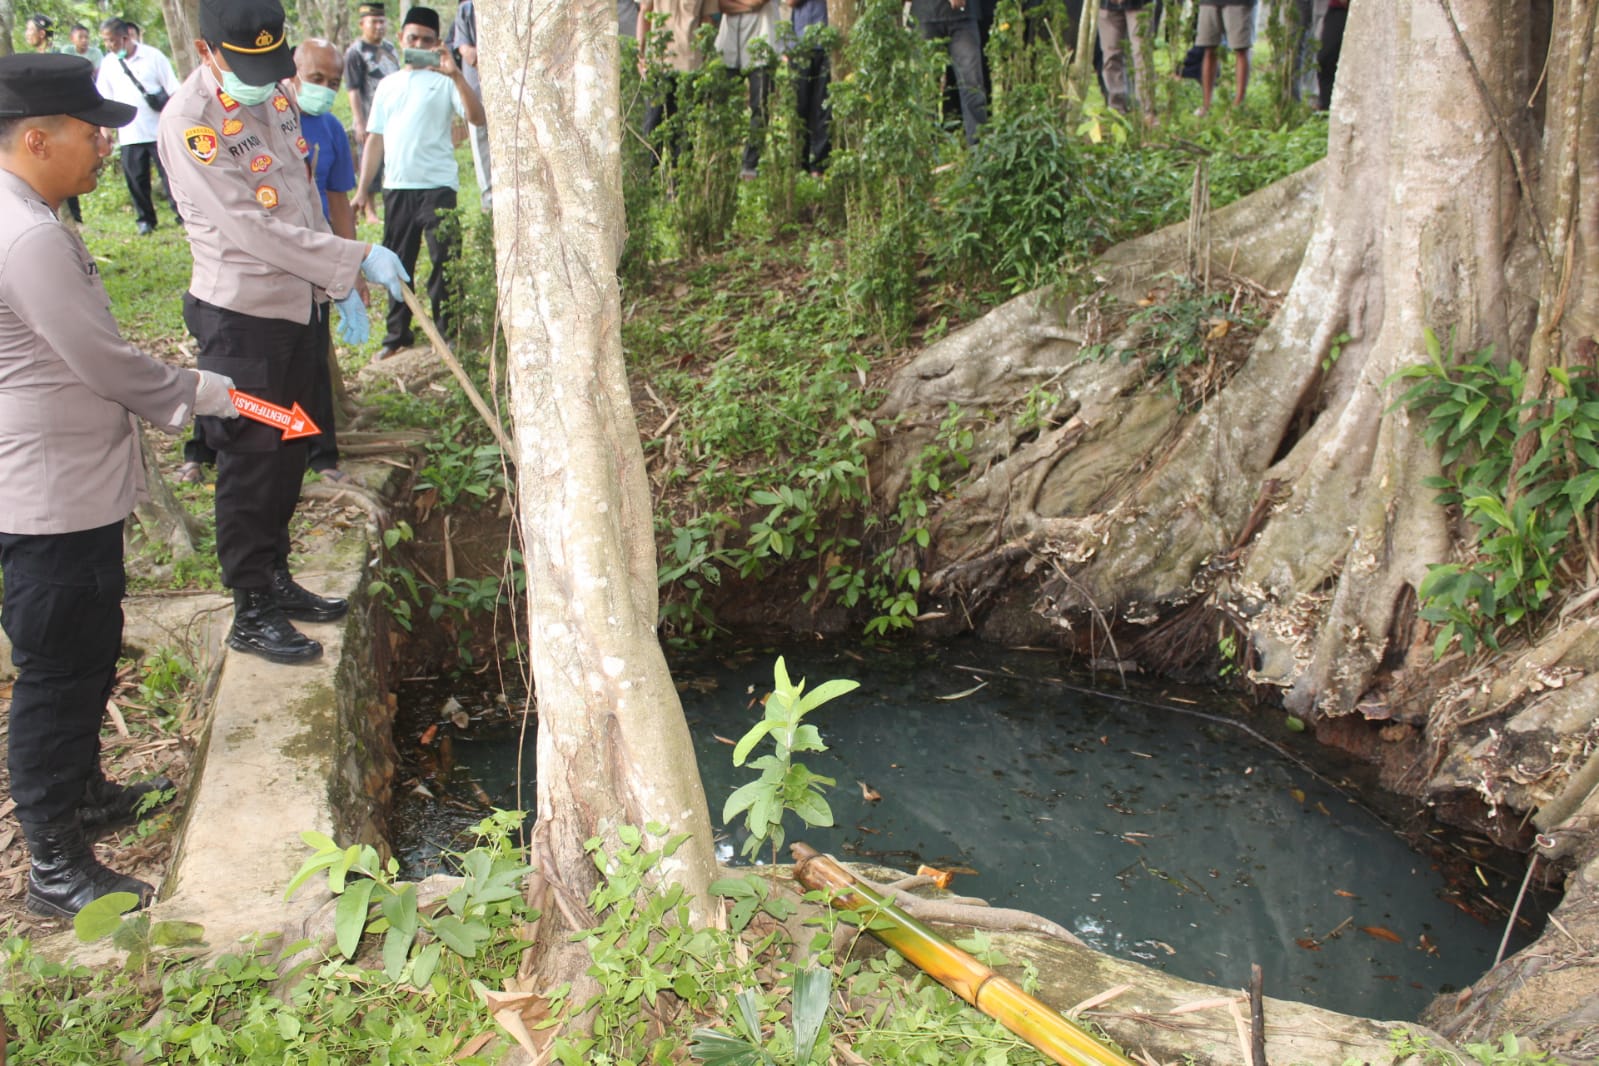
408	135
366	62
70	473
265	266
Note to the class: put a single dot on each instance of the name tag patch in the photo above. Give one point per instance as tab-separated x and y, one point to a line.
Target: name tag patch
201	141
267	197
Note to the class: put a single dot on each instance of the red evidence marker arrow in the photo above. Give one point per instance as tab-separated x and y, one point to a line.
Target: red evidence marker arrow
295	423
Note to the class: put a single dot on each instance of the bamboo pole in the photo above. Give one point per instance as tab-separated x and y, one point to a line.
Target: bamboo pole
441	346
998	997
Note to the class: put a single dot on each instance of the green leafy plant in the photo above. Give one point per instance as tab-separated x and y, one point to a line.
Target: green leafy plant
643	945
784	785
1407	1043
809	1013
1015	211
1181	328
133	933
460	466
462	922
887	126
1481	415
698	145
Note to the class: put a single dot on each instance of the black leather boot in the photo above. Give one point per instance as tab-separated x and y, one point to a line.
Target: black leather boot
65	877
303	606
261	628
107	805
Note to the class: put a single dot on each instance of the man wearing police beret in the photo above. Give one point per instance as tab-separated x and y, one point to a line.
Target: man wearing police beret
265	267
70	472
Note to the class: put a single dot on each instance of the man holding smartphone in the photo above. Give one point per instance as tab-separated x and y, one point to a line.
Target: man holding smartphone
408	135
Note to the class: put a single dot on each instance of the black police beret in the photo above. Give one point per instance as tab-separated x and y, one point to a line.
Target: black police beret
51	83
249	35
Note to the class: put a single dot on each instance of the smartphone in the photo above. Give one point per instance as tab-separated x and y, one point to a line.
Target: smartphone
419	57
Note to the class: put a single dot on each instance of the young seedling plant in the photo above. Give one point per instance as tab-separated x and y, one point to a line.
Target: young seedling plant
784	785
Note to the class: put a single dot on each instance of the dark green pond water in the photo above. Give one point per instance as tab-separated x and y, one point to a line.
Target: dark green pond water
1183	843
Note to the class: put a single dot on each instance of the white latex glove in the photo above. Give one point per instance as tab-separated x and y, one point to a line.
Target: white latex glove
211	397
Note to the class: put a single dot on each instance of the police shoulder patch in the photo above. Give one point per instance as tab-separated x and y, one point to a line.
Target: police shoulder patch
201	141
267	197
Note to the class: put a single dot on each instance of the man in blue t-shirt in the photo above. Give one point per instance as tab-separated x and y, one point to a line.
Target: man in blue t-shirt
318	72
408	135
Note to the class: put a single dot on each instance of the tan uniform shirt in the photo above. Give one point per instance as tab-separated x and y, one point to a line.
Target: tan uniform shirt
254	218
69	384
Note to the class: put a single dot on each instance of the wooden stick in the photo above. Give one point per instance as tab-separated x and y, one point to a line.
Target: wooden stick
1257	1016
443	348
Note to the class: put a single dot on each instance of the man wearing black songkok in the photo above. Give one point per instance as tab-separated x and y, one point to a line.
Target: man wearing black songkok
408	136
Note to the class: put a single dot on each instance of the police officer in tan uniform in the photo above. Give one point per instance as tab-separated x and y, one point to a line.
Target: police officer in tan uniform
70	473
266	266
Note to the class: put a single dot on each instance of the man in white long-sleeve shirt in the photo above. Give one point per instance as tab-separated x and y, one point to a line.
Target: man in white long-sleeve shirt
141	77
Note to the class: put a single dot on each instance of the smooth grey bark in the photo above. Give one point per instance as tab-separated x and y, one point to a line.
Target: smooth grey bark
613	746
182	18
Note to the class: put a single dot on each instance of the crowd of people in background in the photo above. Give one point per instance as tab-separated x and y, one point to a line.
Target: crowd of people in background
1121	32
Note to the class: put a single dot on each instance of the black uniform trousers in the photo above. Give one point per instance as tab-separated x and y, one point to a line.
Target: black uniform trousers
136	162
409	216
258	472
323	453
63	613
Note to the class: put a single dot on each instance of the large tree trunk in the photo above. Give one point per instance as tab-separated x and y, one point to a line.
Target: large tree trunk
1305	452
1457	195
613	746
330	20
183	22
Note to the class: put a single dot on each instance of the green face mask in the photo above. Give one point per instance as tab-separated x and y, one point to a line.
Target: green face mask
315	99
122	53
246	94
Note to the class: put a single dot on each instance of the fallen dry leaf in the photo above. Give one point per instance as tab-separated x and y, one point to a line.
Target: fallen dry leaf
1380	933
868	793
1309	943
941	878
1218	329
1346	895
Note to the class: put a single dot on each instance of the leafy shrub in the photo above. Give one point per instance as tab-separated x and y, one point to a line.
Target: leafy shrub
1483	416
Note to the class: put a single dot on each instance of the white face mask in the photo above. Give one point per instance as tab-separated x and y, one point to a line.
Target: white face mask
315	99
245	94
